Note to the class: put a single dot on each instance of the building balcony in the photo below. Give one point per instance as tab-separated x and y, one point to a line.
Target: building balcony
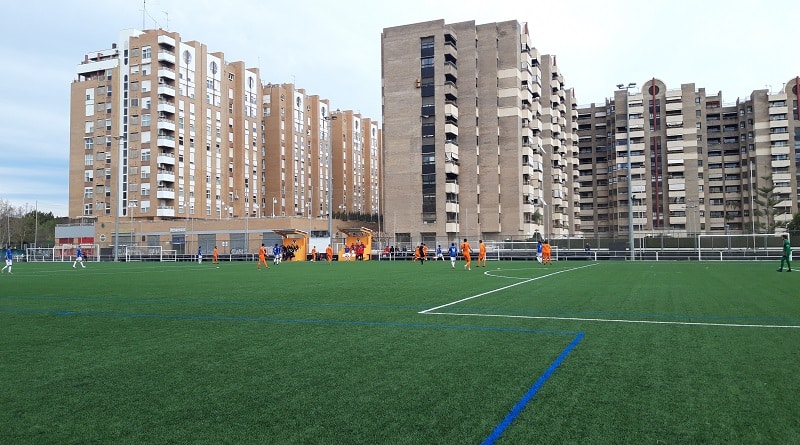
781	163
165	211
451	110
165	158
166	40
451	207
166	90
165	124
451	150
165	141
165	193
165	176
451	168
166	107
166	72
166	56
451	227
451	128
451	187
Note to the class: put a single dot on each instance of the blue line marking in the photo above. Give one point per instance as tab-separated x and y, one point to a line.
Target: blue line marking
504	424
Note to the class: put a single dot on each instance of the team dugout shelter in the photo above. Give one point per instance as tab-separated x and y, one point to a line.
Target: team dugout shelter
296	240
357	236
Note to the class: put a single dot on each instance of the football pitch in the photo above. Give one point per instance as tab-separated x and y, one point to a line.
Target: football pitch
400	353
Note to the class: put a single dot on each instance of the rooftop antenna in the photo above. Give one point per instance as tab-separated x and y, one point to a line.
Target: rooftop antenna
144	13
166	14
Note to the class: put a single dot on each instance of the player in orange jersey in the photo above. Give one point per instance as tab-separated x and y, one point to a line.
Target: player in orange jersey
465	250
262	257
481	253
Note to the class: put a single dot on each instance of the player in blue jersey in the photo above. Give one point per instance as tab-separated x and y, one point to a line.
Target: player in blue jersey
9	260
276	254
539	248
453	251
78	258
439	255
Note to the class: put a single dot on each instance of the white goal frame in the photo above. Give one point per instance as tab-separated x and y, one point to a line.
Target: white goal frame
62	253
749	246
149	253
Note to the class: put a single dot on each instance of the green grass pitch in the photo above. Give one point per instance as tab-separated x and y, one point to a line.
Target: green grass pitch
400	353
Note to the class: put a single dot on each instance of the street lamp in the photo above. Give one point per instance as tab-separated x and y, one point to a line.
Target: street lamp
118	201
274	201
326	129
627	88
132	205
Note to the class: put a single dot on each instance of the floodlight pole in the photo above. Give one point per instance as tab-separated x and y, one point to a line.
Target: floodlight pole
327	127
631	237
118	201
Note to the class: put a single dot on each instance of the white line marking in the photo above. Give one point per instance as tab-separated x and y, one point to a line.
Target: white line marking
504	288
611	320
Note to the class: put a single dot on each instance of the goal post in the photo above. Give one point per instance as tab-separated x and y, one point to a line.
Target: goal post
63	253
754	246
146	253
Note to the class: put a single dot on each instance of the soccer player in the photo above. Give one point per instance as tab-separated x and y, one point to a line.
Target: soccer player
346	252
9	260
262	257
439	255
78	258
276	254
787	253
314	254
453	251
216	255
465	250
481	253
199	255
546	254
539	249
329	253
421	254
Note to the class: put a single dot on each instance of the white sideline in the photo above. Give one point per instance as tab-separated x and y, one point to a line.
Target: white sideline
426	311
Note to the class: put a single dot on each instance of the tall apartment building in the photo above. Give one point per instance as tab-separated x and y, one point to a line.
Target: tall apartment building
479	134
164	129
697	163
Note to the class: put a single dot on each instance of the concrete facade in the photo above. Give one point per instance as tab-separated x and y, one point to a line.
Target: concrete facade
473	123
698	164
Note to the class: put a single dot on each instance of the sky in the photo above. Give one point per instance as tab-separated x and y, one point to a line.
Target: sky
332	49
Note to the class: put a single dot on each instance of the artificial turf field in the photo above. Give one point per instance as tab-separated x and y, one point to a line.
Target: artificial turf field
400	353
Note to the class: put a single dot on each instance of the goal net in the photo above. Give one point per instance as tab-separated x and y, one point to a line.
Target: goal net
149	253
63	253
756	246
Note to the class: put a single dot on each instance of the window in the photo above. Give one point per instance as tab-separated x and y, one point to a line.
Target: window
88	127
88	175
146	52
88	143
145	120
87	209
88	192
88	159
426	62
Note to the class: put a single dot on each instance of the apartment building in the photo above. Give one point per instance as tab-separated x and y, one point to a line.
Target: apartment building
698	164
164	129
479	134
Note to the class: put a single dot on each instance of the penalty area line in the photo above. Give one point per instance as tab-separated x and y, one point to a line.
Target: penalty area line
620	320
428	311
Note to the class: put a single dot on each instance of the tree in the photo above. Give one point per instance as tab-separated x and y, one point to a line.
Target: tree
767	200
794	224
